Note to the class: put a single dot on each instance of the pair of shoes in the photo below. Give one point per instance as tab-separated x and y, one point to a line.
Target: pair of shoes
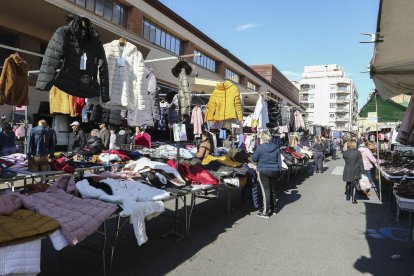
354	202
261	215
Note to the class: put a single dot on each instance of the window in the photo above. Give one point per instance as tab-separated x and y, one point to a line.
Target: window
333	95
332	105
205	61
333	86
311	86
161	37
252	86
311	105
311	96
232	75
109	9
331	115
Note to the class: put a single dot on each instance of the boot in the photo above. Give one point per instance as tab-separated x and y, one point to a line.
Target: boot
354	201
348	191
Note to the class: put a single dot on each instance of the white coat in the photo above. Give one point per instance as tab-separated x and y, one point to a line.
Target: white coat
126	70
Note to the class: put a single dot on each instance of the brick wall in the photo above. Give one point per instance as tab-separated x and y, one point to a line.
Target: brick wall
135	18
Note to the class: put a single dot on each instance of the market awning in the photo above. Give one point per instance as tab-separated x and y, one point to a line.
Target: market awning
388	110
392	66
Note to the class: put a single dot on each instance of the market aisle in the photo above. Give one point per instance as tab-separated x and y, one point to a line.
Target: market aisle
316	232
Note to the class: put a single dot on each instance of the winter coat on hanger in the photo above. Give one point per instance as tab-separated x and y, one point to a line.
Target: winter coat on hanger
173	111
181	71
62	103
224	103
155	97
126	69
298	120
260	115
72	43
14	83
197	120
115	118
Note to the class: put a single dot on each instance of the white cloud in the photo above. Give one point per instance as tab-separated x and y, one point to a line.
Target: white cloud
291	74
246	27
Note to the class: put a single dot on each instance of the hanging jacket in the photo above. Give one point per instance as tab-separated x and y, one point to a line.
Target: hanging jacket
62	103
224	103
125	71
42	141
197	120
71	43
260	114
14	83
115	118
155	97
184	93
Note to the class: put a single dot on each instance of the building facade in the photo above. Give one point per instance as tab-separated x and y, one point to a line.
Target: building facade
156	30
330	98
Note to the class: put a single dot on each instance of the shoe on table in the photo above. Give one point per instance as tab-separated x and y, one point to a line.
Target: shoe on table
261	215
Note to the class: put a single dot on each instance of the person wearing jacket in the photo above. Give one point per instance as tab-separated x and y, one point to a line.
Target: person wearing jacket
353	170
224	103
142	138
79	136
268	159
318	154
105	135
205	147
7	137
41	145
83	55
334	148
368	159
94	145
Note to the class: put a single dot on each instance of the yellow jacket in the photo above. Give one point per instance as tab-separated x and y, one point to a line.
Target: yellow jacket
224	103
225	160
61	102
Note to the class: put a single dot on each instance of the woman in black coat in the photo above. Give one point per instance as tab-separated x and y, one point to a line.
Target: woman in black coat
353	169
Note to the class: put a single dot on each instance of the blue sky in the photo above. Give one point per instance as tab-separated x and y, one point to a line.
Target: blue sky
290	33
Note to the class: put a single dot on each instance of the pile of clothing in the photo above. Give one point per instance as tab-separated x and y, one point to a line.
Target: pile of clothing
167	152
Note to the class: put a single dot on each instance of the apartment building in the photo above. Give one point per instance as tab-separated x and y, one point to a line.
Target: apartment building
157	31
329	97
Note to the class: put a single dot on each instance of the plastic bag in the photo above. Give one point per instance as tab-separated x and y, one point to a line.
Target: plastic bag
364	183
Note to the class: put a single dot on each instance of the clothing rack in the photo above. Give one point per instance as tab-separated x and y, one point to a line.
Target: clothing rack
20	50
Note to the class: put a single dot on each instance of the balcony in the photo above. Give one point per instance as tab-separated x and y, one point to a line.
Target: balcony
343	90
342	100
304	99
341	119
342	110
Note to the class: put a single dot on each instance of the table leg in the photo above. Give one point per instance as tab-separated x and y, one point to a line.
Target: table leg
104	249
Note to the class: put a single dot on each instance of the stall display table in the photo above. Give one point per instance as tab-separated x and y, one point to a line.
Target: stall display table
406	204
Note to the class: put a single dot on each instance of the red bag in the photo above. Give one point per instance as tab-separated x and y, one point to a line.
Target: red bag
194	173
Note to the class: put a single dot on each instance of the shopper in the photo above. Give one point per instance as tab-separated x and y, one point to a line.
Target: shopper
94	145
368	159
7	137
268	159
334	148
112	138
205	147
142	138
41	146
105	135
79	137
353	170
318	154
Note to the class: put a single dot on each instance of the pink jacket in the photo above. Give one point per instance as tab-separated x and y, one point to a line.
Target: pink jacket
197	120
367	157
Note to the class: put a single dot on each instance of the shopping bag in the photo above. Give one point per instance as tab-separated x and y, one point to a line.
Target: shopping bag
180	133
364	183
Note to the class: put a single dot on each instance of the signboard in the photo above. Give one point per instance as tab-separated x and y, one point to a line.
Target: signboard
372	117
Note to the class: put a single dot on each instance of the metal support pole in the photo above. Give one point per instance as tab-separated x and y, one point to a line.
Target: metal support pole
378	167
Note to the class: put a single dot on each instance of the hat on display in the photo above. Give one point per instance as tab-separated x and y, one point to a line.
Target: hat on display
75	123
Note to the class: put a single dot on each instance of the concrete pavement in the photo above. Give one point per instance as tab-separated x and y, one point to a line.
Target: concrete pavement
316	232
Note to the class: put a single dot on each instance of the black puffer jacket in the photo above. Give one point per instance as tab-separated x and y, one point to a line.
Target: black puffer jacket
70	43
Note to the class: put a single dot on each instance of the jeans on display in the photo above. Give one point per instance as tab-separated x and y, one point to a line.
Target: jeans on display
267	182
318	158
39	163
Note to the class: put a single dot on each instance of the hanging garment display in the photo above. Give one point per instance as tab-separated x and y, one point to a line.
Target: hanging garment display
285	114
298	120
96	113
180	133
62	103
83	56
405	133
115	118
224	103
260	115
14	83
125	71
273	111
153	91
197	120
181	71
173	110
162	125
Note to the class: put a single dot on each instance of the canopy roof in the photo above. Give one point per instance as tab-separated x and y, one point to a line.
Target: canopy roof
388	110
392	66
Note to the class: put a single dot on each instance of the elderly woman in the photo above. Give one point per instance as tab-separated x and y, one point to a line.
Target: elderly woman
353	169
94	144
318	154
269	164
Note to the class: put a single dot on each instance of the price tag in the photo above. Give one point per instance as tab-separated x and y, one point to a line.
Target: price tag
120	61
83	60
